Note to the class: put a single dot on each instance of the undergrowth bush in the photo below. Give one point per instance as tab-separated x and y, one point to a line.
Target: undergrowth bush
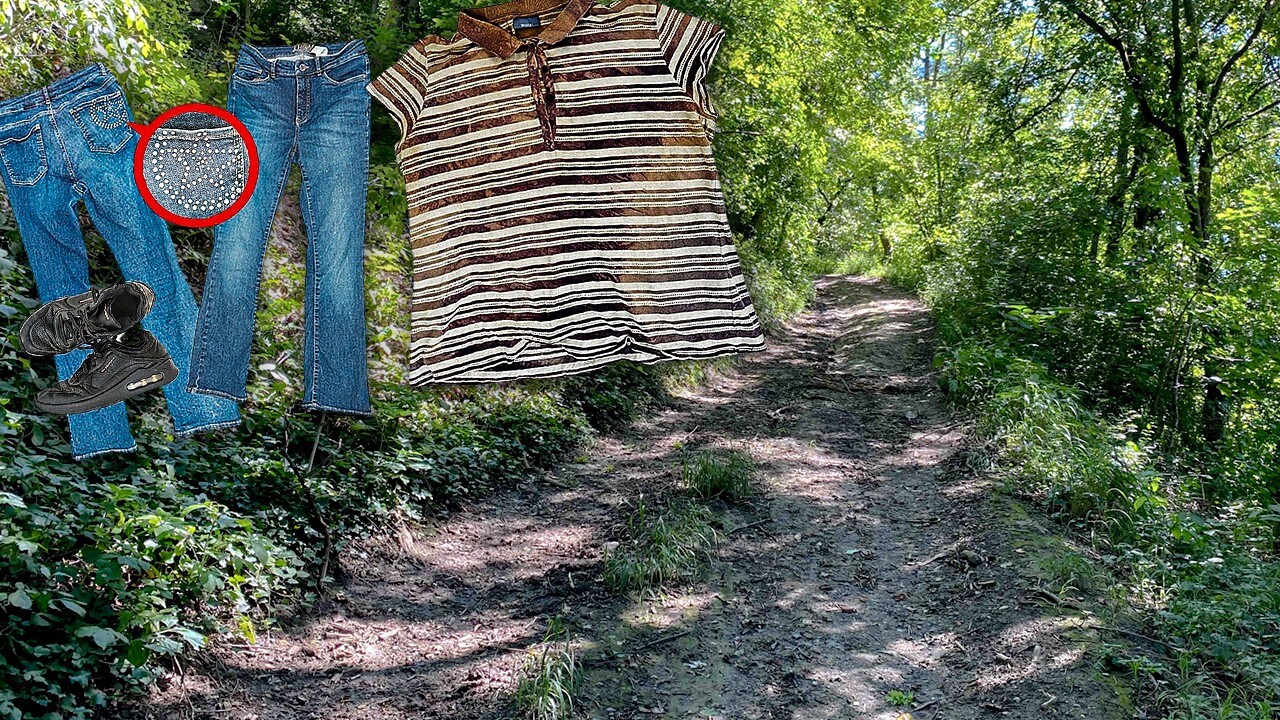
1051	444
715	474
101	579
1212	583
111	568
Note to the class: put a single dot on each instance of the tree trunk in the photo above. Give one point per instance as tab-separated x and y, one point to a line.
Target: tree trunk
1217	406
1121	180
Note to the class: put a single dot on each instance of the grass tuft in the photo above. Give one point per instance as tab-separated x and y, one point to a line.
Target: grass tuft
660	545
548	681
719	475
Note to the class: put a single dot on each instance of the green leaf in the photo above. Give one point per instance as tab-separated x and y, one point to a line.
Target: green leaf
20	599
193	638
102	637
138	653
73	606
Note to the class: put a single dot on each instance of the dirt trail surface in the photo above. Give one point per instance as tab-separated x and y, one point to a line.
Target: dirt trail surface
871	561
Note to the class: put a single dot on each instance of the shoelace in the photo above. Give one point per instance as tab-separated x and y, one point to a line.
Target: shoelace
543	85
71	324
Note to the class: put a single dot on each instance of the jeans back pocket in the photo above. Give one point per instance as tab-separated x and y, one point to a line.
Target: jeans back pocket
196	173
104	123
22	151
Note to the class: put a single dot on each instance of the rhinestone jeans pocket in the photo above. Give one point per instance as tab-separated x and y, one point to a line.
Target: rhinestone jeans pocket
196	168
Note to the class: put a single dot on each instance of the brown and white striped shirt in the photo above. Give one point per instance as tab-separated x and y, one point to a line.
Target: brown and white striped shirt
564	206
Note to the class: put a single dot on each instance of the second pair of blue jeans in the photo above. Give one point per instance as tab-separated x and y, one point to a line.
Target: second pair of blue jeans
68	145
304	105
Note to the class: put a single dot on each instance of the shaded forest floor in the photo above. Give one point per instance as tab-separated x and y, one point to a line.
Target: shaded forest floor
872	560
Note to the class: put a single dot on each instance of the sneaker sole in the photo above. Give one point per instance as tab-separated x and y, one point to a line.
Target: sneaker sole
135	383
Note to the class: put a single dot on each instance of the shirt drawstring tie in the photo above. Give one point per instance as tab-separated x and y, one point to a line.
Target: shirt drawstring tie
543	85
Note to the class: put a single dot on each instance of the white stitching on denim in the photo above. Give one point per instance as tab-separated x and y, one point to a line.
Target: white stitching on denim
44	160
313	272
327	408
94	101
222	424
84	129
364	71
214	393
96	453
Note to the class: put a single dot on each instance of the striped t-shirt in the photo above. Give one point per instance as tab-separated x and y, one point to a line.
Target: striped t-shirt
564	207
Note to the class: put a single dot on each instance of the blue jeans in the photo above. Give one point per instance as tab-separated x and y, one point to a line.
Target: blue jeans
69	144
315	112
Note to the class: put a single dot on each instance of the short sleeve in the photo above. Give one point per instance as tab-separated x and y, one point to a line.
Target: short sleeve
689	45
401	88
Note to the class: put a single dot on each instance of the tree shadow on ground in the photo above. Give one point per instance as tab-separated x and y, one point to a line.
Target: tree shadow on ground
869	564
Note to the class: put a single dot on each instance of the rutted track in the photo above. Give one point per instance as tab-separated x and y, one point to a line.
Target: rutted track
872	561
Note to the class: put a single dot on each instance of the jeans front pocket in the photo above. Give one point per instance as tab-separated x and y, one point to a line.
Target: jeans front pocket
249	75
22	151
104	122
344	72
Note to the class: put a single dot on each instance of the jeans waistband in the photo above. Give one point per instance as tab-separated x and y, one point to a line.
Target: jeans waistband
299	60
81	86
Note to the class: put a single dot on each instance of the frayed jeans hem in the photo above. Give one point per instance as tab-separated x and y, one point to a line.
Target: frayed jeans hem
314	406
188	432
214	393
96	453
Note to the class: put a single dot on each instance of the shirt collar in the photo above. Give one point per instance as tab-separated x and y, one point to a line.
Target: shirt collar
480	25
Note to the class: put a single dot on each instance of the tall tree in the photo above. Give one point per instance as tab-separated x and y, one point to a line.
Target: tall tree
1199	72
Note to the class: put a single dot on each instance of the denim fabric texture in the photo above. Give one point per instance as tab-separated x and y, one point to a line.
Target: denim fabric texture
196	165
309	107
68	144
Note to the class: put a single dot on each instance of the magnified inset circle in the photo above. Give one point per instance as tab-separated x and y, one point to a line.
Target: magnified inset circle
197	165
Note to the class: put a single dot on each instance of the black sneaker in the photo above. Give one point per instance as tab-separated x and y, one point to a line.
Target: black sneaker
78	320
115	370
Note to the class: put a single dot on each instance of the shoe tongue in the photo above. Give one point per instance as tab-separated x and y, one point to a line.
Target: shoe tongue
103	317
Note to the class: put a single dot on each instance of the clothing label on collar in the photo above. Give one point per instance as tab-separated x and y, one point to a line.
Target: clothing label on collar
526	23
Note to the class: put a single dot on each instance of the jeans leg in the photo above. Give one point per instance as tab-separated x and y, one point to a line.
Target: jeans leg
228	308
140	241
334	155
51	236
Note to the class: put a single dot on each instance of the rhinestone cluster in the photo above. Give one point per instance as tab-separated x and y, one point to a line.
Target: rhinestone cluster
195	173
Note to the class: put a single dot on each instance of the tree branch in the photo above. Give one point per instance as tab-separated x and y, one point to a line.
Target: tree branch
1246	118
1130	70
1175	76
1239	53
1062	90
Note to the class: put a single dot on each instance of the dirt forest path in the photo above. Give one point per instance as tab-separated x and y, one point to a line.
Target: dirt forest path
871	561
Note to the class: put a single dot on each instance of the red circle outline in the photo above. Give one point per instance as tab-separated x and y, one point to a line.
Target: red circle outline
147	131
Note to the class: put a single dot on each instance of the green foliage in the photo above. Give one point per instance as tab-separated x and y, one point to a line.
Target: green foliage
1102	259
660	544
1117	342
1212	581
101	579
810	131
44	37
613	395
711	474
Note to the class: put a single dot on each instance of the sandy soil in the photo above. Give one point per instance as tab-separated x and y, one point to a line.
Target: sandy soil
873	560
